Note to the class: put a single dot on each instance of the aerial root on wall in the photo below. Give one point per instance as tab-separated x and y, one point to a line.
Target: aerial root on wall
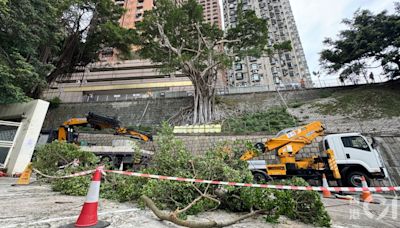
184	116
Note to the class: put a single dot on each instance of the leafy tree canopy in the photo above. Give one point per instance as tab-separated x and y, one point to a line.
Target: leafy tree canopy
368	37
42	40
178	37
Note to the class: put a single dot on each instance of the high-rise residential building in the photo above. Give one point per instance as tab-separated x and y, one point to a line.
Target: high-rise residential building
212	11
134	11
282	69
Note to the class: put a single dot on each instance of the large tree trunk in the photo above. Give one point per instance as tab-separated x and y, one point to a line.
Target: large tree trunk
204	93
203	108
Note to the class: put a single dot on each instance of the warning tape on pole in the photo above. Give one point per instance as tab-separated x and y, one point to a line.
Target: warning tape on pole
83	173
282	187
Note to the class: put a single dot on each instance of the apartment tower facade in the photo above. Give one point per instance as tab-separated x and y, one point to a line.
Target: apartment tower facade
283	69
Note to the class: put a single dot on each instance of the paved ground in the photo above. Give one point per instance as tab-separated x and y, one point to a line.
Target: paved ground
38	206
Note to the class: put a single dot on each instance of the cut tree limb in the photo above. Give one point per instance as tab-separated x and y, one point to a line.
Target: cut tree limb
192	224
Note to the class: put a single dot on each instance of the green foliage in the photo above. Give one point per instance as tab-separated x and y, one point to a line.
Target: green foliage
325	93
295	204
50	156
250	33
145	128
270	121
220	163
73	186
54	102
296	104
25	27
177	36
41	40
365	103
368	36
9	92
88	27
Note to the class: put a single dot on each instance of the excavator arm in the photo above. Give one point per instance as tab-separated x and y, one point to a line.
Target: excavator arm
134	134
65	131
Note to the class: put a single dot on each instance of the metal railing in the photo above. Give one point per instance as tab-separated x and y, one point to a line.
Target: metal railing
184	92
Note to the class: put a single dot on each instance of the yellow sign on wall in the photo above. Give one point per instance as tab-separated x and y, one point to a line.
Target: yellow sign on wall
193	129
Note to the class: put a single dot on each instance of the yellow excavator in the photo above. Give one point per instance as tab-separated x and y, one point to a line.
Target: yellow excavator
287	145
66	131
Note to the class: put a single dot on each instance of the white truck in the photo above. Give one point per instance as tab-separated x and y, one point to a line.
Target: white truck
354	156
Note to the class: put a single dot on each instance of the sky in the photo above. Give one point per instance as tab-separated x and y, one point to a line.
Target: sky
318	19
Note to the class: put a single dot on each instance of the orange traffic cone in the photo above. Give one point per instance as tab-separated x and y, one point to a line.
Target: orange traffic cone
366	195
88	215
325	192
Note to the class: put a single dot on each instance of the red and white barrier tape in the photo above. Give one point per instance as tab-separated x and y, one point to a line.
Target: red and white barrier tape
283	187
83	173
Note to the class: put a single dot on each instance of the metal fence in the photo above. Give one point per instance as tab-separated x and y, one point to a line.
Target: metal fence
184	92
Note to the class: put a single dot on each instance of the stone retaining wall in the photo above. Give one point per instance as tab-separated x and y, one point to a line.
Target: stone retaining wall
153	111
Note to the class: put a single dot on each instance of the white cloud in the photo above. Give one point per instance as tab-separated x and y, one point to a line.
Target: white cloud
317	19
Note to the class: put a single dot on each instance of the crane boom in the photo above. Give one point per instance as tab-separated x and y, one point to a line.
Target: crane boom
288	144
65	131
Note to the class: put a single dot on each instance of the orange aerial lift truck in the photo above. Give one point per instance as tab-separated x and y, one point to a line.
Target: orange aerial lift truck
345	157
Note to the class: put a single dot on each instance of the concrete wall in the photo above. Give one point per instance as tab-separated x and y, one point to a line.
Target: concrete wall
128	112
32	115
390	151
158	110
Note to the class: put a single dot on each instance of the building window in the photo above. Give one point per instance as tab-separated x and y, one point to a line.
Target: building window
238	66
239	76
255	77
252	59
138	16
356	142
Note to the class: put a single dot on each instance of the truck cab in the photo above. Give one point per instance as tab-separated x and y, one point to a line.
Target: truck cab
355	157
345	158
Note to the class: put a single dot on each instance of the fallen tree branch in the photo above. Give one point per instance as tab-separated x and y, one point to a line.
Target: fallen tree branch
178	211
192	224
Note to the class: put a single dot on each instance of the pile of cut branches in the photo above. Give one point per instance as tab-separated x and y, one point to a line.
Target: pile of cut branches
174	201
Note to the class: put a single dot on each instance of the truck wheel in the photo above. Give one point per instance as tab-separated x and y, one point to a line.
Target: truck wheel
353	179
261	176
